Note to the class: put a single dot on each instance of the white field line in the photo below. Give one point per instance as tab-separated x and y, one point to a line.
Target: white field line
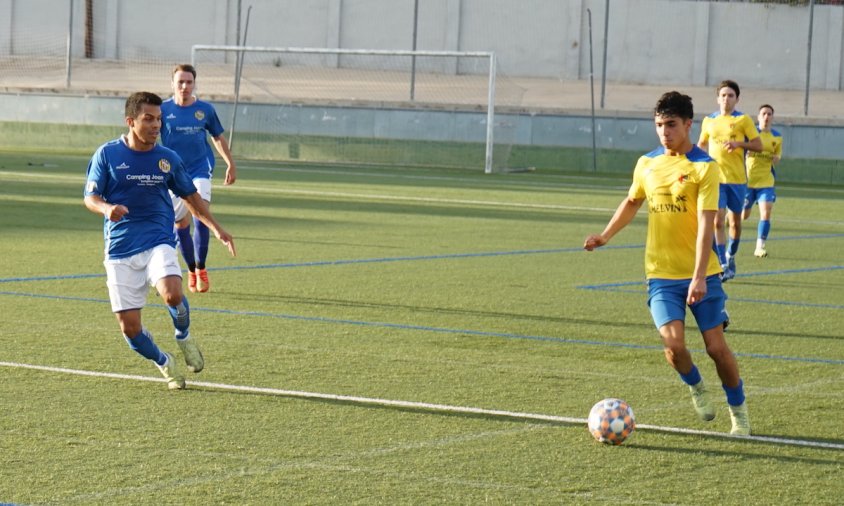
516	415
550	180
427	200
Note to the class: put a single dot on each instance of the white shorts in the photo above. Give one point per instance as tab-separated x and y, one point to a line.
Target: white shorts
203	186
128	279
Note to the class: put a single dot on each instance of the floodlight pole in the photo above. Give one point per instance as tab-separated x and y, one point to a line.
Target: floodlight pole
413	58
604	66
238	72
69	48
809	58
592	94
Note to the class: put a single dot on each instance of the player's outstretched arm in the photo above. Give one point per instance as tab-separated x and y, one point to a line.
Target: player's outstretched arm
624	214
200	209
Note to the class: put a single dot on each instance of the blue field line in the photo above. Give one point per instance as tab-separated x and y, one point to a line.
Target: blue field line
321	263
441	330
51	278
613	286
416	258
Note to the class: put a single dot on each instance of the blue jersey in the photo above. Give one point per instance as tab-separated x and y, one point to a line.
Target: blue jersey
185	131
138	180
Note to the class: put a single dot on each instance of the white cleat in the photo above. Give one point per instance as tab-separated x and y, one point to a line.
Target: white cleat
740	419
175	379
193	357
701	402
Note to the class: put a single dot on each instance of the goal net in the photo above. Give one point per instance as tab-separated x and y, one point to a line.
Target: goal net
343	106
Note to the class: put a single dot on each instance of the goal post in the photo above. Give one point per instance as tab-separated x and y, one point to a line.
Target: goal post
360	106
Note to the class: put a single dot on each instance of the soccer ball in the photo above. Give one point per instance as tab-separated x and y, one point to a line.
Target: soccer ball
611	421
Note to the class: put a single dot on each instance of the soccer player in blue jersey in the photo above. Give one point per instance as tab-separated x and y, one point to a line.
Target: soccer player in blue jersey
727	134
680	183
128	182
187	123
761	177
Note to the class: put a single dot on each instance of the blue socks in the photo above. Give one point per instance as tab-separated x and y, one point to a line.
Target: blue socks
732	246
692	377
735	396
200	242
181	318
763	229
186	247
144	345
722	253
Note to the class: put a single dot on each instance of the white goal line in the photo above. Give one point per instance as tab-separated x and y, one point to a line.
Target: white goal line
422	406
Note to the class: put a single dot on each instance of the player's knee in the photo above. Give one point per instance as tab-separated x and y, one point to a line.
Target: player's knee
172	298
673	351
718	351
131	329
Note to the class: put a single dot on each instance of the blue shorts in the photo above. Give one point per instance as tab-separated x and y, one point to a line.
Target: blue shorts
731	196
667	300
755	195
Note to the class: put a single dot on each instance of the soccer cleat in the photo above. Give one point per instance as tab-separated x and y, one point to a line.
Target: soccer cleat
193	357
701	402
202	284
192	281
760	253
175	380
740	419
729	269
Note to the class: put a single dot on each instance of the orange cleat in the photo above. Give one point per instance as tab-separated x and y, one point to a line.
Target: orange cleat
192	281
202	284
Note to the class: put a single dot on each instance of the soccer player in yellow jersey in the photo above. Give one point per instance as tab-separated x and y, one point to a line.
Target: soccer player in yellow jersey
680	183
761	176
726	135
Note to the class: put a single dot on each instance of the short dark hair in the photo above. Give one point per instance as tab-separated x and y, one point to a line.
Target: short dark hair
137	100
184	67
728	83
768	106
675	104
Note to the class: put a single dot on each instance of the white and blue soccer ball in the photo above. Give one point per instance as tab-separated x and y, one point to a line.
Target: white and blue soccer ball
611	421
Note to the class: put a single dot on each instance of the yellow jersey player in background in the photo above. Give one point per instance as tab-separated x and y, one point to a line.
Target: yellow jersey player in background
681	185
726	135
761	177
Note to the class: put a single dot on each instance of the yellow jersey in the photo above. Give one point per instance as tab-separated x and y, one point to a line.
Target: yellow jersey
676	188
716	130
760	166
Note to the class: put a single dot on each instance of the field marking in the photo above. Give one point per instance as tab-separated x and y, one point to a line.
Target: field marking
422	406
427	328
448	256
430	200
551	179
426	200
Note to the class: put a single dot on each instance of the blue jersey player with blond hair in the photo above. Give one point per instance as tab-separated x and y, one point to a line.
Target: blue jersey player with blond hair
680	183
128	183
727	134
188	122
761	177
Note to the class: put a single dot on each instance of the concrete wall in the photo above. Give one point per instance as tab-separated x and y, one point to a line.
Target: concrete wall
674	42
809	141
